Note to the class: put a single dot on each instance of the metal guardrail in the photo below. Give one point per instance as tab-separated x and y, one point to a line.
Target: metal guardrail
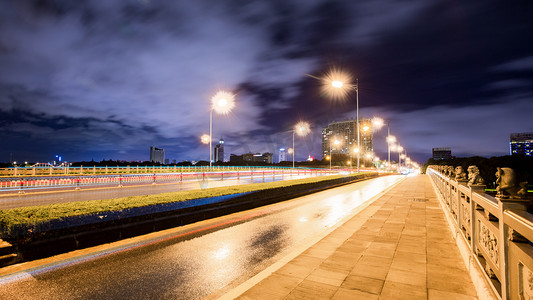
24	183
499	234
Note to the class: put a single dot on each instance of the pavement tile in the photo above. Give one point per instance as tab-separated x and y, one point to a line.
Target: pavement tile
409	266
412	248
364	284
328	276
318	252
376	261
345	294
294	270
381	251
450	278
442	295
410	256
401	291
308	289
340	264
407	277
364	237
307	261
371	271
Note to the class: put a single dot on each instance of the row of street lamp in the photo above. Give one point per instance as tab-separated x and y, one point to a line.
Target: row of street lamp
337	85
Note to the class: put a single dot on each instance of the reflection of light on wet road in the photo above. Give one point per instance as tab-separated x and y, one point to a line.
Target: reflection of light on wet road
336	211
221	253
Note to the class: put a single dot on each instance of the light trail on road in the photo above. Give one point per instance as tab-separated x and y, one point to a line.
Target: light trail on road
86	194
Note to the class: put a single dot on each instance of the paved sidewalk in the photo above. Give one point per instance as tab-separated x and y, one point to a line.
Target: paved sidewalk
399	247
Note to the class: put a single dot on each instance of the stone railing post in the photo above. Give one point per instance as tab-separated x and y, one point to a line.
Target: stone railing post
514	205
479	189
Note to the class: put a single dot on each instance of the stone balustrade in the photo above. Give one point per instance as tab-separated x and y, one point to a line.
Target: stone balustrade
498	232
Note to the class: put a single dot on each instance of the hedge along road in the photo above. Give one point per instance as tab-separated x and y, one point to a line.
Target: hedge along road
87	193
192	261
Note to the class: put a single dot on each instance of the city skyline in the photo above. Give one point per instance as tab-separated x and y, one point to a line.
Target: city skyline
94	80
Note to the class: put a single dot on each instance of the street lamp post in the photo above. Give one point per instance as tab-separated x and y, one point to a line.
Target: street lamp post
358	133
222	102
302	129
336	84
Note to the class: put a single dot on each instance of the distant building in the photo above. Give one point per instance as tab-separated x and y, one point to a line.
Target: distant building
346	133
157	155
442	153
521	144
219	151
251	157
167	161
282	155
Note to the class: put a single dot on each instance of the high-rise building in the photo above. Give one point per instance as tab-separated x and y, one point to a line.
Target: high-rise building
157	155
219	151
346	133
442	153
521	143
282	155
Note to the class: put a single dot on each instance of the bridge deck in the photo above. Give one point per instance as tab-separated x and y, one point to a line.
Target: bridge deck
399	247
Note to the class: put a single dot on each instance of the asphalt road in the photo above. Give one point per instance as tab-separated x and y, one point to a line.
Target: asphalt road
50	196
196	260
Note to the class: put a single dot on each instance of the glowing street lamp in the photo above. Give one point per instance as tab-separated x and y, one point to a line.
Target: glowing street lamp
205	139
378	123
301	129
222	103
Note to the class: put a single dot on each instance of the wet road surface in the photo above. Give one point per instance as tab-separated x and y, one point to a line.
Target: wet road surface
196	260
99	193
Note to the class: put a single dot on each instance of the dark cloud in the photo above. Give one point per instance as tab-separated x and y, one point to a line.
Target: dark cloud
107	79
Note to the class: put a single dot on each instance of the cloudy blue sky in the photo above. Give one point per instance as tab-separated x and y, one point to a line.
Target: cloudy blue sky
108	79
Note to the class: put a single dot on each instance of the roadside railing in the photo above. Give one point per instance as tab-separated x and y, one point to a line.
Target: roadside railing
498	232
94	170
21	184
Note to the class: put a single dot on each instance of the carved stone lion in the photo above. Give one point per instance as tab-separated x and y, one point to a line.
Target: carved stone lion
473	176
460	173
451	172
508	185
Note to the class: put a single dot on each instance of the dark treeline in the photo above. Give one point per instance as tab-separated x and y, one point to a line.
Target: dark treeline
523	166
104	163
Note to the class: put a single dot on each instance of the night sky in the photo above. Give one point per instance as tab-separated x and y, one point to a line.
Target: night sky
108	79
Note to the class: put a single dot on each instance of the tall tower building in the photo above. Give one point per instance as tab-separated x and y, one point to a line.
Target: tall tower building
282	155
346	133
157	155
219	151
